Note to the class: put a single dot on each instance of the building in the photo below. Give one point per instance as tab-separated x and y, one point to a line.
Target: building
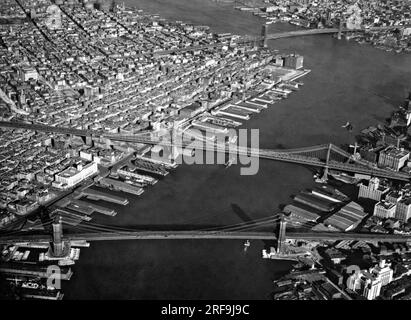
393	158
278	61
191	110
27	73
293	61
72	176
383	271
394	196
347	218
406	32
385	209
365	283
372	286
334	255
403	211
301	214
403	204
373	190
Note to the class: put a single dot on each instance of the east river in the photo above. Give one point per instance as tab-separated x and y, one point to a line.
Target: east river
348	82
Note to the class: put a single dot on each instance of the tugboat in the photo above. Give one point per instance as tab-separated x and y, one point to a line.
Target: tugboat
229	163
317	178
246	245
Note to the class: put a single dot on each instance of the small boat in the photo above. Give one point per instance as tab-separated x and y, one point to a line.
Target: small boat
30	285
229	163
348	126
246	245
343	177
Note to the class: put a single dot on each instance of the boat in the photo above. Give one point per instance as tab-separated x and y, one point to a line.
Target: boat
246	245
318	179
343	177
30	285
229	163
66	262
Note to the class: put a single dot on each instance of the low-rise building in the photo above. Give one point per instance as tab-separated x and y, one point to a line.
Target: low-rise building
72	176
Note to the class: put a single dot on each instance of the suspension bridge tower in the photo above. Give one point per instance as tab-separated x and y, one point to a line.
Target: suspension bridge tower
264	32
59	249
340	27
281	236
327	161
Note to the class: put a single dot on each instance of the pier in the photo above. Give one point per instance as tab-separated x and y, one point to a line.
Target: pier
99	195
35	271
118	185
85	207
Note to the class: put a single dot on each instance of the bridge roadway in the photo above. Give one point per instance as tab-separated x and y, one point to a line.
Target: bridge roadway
277	35
193	235
47	128
143	235
290	155
286	155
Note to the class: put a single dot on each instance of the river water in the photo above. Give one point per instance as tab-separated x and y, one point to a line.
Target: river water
342	87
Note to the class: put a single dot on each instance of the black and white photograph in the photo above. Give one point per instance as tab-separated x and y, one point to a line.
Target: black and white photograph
205	150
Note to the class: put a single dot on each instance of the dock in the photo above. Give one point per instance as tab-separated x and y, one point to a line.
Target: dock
238	113
149	166
93	194
246	108
35	271
121	186
44	296
84	207
63	213
223	122
209	127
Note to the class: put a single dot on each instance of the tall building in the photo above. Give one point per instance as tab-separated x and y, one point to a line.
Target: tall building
385	209
293	61
264	33
365	283
394	196
371	285
403	211
393	158
373	190
402	199
383	271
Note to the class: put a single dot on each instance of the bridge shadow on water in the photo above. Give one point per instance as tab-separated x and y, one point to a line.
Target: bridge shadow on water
247	219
